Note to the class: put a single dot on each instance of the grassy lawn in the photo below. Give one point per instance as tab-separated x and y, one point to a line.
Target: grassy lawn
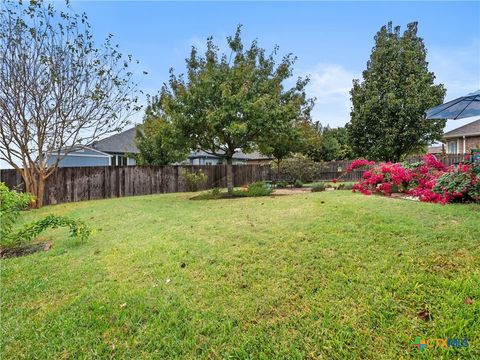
330	275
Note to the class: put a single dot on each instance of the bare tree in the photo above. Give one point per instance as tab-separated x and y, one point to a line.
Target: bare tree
57	89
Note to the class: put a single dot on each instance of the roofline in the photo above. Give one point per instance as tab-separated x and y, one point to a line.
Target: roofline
80	147
449	133
460	135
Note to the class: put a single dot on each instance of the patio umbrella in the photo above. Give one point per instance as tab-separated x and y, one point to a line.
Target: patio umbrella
463	107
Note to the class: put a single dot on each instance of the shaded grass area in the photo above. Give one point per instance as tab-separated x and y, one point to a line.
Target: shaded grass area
330	275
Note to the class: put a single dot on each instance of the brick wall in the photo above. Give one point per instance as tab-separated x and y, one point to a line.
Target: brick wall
471	142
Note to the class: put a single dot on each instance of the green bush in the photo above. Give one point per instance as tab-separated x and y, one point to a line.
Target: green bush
12	202
298	183
462	183
216	192
281	185
297	168
194	180
318	187
258	188
345	186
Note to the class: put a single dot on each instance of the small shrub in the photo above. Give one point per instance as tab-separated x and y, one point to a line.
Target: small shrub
216	192
318	187
194	180
298	167
258	188
282	184
345	186
298	183
12	202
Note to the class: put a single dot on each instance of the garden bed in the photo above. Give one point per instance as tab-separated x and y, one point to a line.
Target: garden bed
23	250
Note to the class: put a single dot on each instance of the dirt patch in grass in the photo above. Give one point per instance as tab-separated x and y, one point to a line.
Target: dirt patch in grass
24	250
292	191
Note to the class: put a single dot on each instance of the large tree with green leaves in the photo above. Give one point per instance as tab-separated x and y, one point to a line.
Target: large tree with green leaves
231	102
387	118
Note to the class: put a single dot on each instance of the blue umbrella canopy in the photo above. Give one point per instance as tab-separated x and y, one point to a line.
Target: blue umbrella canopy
463	107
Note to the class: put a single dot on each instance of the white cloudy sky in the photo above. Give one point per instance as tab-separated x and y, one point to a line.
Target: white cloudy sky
331	83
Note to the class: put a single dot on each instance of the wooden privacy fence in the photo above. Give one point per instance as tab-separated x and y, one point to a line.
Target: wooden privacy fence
88	183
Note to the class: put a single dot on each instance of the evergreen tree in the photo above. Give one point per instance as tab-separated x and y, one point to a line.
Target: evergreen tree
387	118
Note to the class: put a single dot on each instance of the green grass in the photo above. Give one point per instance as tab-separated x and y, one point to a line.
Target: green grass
330	275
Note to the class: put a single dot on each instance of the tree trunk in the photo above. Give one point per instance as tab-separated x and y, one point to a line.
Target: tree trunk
39	193
229	176
35	185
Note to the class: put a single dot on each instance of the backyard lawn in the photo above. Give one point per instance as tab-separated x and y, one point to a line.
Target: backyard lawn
330	275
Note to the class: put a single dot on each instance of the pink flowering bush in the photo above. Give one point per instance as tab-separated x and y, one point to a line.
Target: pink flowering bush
429	180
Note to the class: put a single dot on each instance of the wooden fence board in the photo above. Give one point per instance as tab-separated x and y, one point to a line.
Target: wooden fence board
88	183
85	183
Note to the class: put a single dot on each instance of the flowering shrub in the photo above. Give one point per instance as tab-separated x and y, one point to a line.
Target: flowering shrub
460	183
429	180
359	163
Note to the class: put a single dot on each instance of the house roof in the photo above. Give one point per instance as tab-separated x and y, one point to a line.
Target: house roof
239	155
437	149
123	142
470	129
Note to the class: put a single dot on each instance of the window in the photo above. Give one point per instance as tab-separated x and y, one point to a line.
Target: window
452	147
119	160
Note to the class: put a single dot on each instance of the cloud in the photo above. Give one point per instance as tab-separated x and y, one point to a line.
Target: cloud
331	84
458	70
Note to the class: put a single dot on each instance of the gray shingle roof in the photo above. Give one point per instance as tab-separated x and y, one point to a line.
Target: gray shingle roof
123	142
470	129
240	155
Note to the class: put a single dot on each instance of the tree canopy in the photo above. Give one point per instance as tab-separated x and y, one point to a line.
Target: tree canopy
231	102
158	144
387	118
57	88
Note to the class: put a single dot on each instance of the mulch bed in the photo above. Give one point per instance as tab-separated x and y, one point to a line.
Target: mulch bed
24	250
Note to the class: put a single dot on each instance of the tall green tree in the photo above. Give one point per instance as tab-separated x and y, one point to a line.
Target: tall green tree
231	102
158	144
387	118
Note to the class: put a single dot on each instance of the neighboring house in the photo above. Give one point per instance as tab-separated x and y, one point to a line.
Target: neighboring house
435	149
81	156
117	150
462	139
239	158
120	146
